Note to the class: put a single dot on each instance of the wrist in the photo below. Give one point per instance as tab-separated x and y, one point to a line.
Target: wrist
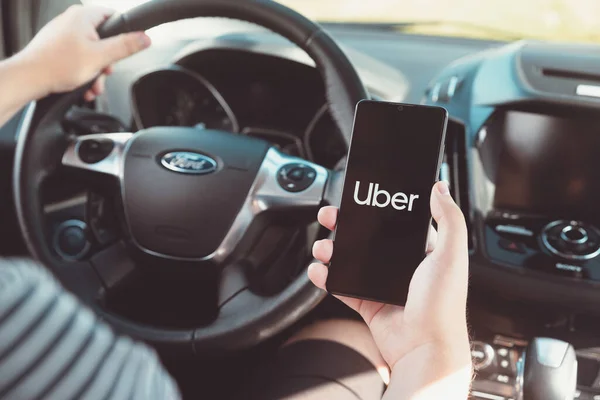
35	77
434	370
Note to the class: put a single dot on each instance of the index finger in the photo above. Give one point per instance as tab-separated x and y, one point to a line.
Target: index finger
327	217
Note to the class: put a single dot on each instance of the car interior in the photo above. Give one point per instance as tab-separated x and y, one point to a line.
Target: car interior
213	275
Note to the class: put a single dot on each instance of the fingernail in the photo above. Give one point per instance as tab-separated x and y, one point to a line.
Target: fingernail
144	40
443	188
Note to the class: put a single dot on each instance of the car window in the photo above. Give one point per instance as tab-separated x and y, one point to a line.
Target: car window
554	20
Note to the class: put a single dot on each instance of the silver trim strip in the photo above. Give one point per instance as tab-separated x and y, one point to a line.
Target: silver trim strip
112	165
266	194
514	229
588	90
435	93
487	395
64	204
26	118
452	85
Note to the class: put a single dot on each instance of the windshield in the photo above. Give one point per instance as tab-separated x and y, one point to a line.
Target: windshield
554	20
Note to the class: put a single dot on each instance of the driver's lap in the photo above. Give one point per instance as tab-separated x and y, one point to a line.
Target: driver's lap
51	346
317	369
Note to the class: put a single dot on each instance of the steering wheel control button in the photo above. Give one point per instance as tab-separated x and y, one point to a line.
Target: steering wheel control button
70	240
296	174
296	177
92	151
512	246
571	240
482	355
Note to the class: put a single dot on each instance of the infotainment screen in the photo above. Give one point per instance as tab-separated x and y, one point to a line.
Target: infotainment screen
549	166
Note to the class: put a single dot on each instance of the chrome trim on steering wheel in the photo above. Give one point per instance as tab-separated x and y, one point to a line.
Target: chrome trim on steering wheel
266	194
112	164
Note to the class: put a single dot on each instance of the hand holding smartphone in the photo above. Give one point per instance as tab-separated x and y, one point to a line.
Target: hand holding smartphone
384	216
402	156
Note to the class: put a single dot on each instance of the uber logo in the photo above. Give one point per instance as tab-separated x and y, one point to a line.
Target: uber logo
399	200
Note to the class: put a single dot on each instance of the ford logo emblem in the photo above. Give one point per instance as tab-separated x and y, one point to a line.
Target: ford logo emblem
186	162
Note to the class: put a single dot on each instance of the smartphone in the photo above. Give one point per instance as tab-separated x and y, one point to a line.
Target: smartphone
384	217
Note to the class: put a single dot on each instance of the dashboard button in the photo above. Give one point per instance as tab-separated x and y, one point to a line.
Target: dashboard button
92	151
503	378
482	355
502	351
70	240
511	245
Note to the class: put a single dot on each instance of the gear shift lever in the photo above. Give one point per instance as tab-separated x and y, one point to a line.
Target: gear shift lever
548	370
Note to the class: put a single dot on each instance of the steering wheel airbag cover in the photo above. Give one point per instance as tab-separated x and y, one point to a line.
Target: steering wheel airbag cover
183	215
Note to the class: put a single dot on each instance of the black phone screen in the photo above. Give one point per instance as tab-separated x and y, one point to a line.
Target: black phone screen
384	217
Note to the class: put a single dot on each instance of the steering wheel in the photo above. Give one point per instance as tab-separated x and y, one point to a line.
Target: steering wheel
189	197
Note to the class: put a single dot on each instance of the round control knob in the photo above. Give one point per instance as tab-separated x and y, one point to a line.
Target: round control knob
572	240
70	240
574	234
482	355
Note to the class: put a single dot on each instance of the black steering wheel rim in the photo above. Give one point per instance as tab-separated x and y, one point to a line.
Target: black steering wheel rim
41	145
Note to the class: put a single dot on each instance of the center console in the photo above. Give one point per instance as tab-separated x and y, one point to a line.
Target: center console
536	205
537	179
523	160
499	363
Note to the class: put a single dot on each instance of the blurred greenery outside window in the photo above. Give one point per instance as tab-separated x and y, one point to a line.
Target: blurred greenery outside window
551	20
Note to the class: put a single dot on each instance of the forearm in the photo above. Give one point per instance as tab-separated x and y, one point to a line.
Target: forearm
432	372
74	353
21	81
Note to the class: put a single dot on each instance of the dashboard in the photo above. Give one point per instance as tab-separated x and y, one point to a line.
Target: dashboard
521	144
527	119
209	90
521	148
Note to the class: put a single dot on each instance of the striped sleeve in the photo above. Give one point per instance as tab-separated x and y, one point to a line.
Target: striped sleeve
52	347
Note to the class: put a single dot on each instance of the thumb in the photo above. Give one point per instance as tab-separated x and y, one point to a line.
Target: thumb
451	248
122	46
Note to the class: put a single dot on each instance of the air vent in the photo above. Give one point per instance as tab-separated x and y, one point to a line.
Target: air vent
455	171
444	90
559	73
565	70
